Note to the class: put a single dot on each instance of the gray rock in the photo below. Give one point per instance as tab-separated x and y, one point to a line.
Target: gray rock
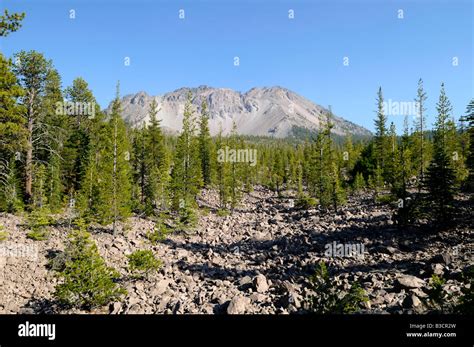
257	297
238	305
26	310
160	287
245	281
115	308
412	302
409	281
387	250
437	269
260	283
444	258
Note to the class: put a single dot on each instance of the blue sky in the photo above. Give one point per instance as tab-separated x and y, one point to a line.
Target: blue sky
304	54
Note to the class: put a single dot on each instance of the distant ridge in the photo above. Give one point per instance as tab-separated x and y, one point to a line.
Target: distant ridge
267	111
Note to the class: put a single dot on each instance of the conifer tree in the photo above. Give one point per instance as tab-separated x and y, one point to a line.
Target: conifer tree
401	175
381	139
470	160
359	182
222	169
299	173
39	199
316	177
157	163
278	173
186	173
106	193
235	183
32	70
337	192
349	154
248	171
10	22
11	199
54	126
13	136
455	152
419	134
391	162
139	170
12	123
54	184
78	149
440	174
324	176
121	166
205	146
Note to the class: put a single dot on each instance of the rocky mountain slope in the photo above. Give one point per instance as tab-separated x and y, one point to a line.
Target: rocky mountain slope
257	260
274	111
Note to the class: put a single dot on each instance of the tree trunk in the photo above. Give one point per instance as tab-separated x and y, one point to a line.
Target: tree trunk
29	161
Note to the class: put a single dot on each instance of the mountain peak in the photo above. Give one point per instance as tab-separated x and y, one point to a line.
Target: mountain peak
261	111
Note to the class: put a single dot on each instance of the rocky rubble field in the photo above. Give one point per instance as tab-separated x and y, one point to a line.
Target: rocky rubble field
256	260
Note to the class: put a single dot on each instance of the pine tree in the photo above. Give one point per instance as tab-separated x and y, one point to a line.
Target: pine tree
337	192
11	199
248	171
470	160
13	136
85	279
359	182
205	146
157	164
78	149
401	176
391	162
10	22
54	184
278	172
121	166
54	126
381	139
349	154
235	183
186	173
324	179
222	169
419	134
12	123
39	199
32	70
106	193
299	173
440	174
455	152
139	170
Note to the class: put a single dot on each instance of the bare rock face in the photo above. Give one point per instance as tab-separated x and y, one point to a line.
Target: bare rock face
273	111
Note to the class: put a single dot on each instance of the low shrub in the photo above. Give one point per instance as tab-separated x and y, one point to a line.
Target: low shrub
143	262
330	298
86	281
305	202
